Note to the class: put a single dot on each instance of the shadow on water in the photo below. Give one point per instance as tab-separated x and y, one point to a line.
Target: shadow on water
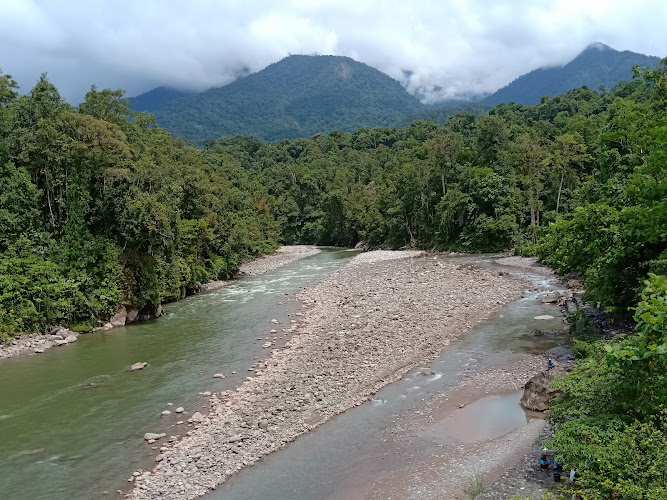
316	465
72	419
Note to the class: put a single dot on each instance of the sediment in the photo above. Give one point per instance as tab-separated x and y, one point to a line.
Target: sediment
361	328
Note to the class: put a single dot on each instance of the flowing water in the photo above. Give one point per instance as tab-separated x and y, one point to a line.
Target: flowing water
338	459
72	419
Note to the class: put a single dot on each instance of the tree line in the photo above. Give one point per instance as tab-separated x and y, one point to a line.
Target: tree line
99	208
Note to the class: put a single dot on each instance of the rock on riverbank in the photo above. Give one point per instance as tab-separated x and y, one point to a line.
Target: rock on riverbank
365	326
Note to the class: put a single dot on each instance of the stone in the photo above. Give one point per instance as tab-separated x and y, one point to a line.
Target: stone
131	315
544	316
59	342
159	458
197	417
71	338
151	435
179	409
537	394
165	413
561	354
39	351
120	317
138	366
218	375
55	330
536	332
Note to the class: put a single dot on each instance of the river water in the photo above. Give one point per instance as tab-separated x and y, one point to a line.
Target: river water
339	459
72	419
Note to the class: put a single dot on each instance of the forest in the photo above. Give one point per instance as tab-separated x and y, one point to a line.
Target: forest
98	210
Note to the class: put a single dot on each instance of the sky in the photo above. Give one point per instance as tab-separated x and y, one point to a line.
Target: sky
438	50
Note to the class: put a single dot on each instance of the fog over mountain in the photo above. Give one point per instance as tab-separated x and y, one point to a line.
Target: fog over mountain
436	49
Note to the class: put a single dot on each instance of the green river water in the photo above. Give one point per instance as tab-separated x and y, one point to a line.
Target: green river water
72	419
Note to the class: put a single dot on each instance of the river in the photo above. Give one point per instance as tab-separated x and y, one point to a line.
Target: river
72	419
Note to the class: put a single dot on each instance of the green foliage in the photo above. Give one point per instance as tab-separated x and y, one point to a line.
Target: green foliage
611	413
98	211
474	487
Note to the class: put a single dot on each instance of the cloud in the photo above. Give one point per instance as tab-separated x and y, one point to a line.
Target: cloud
437	49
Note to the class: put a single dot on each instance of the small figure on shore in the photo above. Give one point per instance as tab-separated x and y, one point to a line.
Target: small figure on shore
550	364
544	462
573	473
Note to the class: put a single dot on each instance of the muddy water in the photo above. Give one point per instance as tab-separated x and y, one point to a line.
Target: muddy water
326	463
72	419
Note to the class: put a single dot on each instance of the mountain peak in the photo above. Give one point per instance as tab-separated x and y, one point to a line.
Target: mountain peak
598	46
597	66
297	96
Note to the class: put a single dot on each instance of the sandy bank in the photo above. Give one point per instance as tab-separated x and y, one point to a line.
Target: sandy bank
362	328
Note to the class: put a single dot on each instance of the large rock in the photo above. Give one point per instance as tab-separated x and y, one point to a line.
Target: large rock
138	366
120	317
561	354
537	394
132	314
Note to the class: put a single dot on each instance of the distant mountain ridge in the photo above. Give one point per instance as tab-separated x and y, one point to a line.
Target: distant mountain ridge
300	96
597	66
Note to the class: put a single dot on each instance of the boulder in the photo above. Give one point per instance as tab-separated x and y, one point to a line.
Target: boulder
179	409
131	315
120	317
536	332
197	417
71	338
561	354
537	394
165	413
138	366
218	375
60	342
152	436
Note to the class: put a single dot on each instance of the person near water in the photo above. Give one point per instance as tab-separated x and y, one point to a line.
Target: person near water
573	473
544	462
550	364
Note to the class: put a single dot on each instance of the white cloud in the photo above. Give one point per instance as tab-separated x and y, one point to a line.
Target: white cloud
456	46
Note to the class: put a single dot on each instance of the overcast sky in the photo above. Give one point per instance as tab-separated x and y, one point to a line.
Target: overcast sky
452	47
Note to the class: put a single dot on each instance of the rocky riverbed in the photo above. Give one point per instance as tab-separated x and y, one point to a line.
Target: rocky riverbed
36	343
360	329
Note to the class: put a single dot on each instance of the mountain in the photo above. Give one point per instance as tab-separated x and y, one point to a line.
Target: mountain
155	99
295	97
598	65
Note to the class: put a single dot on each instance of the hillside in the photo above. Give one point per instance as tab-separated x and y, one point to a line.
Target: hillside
155	99
295	97
598	65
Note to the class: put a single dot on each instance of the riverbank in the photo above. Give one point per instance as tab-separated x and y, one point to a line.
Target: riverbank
36	343
361	329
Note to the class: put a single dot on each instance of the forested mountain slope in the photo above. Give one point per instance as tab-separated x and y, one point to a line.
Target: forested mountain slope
597	66
156	99
298	96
